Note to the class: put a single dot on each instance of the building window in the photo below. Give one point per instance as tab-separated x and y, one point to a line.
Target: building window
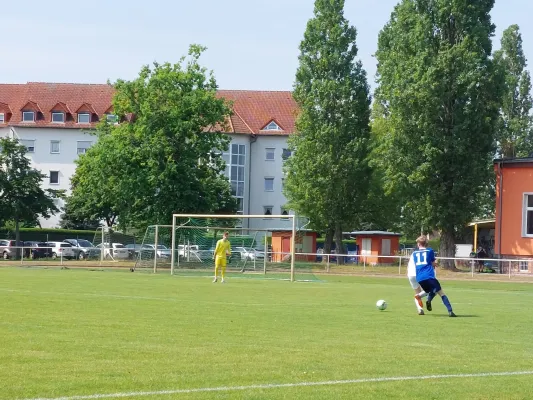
2	118
285	212
286	154
55	146
272	126
528	215
524	266
269	184
84	118
29	144
270	154
267	210
28	116
83	146
112	118
235	161
58	117
54	177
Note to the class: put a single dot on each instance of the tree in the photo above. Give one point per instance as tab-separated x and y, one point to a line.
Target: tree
515	126
440	93
22	200
73	218
165	157
328	174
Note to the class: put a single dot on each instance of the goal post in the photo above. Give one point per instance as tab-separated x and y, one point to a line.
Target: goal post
184	226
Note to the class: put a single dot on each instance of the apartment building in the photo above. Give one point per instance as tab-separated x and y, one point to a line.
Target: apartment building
56	122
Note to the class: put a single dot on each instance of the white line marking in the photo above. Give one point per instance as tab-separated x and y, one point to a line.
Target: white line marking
284	385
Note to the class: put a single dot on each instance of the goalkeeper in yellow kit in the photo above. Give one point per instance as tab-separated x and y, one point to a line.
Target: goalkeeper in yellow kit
222	250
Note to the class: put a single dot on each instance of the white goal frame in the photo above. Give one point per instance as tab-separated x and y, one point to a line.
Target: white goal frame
234	216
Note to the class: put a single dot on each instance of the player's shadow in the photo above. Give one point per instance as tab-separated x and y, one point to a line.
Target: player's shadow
458	315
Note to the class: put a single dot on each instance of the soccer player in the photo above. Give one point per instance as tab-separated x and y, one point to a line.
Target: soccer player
222	250
424	259
419	293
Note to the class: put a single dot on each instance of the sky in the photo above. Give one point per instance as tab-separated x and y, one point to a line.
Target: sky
252	44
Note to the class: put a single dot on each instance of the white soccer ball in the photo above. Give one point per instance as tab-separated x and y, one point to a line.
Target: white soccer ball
381	305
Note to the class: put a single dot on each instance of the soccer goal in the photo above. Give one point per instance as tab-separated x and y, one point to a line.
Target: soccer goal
253	238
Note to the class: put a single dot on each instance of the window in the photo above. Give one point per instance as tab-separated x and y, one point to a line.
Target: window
267	210
28	116
58	117
112	118
269	184
272	126
54	177
55	147
2	118
270	154
29	144
284	211
286	154
524	266
83	146
235	161
84	118
528	215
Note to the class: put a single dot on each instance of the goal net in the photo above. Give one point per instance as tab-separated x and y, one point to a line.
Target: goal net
262	246
112	246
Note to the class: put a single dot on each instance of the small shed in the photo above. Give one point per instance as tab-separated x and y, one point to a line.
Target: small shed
305	242
374	246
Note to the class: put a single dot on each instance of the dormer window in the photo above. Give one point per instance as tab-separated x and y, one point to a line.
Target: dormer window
112	118
84	118
58	117
28	116
272	126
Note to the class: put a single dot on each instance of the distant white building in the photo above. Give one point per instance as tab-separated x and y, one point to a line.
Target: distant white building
56	121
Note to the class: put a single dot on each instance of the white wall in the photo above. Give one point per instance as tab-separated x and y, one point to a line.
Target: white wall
261	169
45	161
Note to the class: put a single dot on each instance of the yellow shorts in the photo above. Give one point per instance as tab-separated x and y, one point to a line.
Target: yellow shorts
220	262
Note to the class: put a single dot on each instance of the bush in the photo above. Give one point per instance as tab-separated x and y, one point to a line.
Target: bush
47	235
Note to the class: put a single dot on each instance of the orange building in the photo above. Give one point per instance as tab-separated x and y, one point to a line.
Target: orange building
514	210
373	244
305	243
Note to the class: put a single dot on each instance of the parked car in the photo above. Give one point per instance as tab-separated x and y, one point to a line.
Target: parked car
83	249
162	250
35	250
8	248
249	254
61	250
116	251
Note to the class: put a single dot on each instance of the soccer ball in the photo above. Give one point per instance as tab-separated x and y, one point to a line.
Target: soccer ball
381	305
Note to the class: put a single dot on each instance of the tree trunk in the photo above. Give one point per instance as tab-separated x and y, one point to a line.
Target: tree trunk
339	245
447	249
328	244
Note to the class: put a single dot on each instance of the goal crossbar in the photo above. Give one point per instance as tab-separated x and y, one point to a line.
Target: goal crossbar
175	226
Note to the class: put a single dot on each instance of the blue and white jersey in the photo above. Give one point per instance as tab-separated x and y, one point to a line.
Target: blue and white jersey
424	259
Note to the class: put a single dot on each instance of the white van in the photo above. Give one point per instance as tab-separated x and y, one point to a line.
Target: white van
61	250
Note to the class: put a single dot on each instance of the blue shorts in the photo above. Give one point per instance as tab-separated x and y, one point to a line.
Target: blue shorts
430	285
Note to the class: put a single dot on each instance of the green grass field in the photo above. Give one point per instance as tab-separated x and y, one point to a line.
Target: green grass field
69	333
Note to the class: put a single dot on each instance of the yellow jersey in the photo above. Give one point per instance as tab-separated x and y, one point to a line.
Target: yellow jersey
223	247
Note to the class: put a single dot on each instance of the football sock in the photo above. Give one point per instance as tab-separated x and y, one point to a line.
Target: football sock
447	303
418	305
431	296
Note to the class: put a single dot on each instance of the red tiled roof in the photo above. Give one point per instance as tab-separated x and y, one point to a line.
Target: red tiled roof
252	110
54	96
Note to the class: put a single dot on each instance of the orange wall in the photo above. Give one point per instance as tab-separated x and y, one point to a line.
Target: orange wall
376	249
278	247
517	179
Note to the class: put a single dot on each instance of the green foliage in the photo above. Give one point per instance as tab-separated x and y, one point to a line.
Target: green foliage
22	200
439	93
328	174
162	160
38	234
515	126
73	218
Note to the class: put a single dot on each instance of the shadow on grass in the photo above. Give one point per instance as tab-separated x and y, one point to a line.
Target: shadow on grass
458	315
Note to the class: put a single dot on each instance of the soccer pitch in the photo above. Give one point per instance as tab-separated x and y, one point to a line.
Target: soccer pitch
79	334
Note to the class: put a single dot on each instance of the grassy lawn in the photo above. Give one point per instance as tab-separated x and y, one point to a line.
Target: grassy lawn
78	332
